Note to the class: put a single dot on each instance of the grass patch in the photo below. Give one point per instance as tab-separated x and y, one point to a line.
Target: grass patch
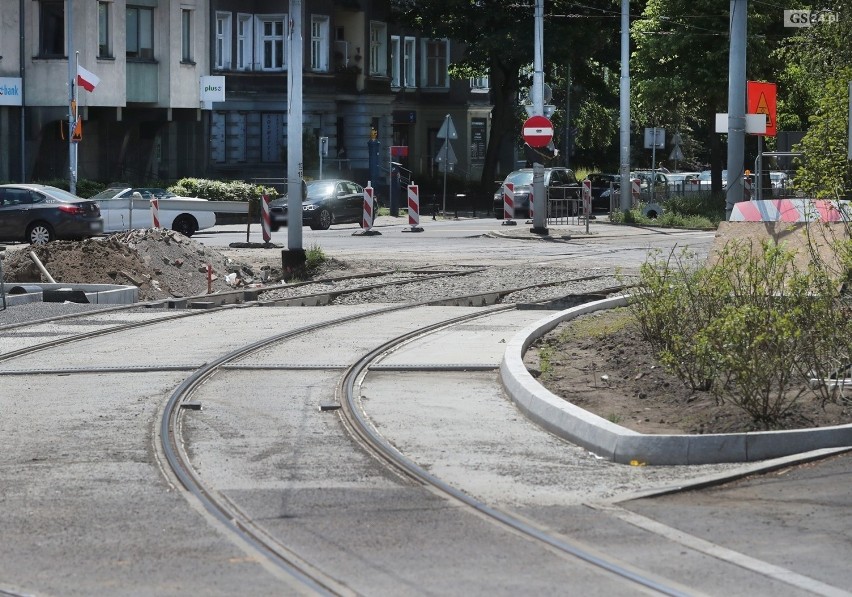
597	326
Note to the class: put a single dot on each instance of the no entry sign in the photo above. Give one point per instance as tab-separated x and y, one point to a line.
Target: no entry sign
538	131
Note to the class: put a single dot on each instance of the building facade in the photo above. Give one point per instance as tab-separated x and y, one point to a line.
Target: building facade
363	79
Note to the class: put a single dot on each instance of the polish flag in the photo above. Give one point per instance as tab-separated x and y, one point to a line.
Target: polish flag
87	80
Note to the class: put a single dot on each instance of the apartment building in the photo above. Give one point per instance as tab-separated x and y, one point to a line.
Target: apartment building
363	79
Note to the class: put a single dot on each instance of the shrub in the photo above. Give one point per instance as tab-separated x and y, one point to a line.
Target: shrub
750	326
84	188
216	190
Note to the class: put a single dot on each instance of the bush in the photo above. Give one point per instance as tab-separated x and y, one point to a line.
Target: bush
216	190
84	188
751	327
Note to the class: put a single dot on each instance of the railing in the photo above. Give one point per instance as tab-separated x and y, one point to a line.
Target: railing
563	205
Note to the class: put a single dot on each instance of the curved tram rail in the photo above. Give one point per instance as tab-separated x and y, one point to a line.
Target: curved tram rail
246	531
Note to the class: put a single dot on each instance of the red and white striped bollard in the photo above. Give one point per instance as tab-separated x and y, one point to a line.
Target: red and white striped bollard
265	219
414	208
367	217
155	212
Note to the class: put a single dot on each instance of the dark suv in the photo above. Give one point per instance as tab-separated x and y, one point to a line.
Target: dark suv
560	184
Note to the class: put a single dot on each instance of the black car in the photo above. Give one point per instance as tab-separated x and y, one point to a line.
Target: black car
601	189
38	214
328	202
559	184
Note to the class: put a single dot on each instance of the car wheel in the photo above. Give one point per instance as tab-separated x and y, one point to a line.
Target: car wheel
323	220
185	224
40	233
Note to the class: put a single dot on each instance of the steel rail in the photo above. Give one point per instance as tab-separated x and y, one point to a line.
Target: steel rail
366	433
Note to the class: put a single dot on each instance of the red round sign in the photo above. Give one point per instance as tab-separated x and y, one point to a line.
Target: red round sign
538	131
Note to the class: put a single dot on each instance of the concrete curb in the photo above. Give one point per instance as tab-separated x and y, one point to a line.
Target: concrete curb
97	294
625	446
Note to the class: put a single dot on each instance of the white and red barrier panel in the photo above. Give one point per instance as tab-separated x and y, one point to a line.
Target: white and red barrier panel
747	194
587	197
413	205
532	202
155	212
367	217
635	189
791	210
508	201
265	219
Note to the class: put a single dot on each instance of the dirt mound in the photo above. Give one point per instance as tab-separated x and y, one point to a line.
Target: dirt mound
162	263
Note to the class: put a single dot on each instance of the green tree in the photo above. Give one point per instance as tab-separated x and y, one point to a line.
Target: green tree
679	68
499	42
818	67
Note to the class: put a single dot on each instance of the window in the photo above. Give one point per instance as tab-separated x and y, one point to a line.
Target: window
271	42
480	83
378	49
186	35
435	54
319	43
244	41
104	33
140	33
223	41
409	65
51	28
395	57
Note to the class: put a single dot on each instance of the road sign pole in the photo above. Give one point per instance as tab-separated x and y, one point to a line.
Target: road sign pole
446	163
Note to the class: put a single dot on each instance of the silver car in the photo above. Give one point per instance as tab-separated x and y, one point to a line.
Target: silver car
38	214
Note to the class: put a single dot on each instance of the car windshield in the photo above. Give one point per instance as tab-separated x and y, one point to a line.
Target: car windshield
320	189
520	178
61	194
108	193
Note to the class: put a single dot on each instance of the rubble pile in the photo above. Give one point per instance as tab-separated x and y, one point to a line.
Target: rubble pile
162	263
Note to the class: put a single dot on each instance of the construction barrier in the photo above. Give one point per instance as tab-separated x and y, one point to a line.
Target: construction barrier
155	212
265	219
414	207
747	194
791	210
532	202
508	201
367	217
587	197
635	189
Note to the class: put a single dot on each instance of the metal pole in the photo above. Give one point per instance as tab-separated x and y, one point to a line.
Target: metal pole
624	101
23	96
72	178
654	165
446	157
849	149
294	129
736	103
539	205
568	120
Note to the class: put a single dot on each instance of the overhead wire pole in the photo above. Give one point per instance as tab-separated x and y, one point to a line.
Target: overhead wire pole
294	133
72	101
624	97
736	103
539	203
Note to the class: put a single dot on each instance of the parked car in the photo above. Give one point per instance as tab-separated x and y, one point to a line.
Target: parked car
38	214
600	185
326	202
559	183
186	215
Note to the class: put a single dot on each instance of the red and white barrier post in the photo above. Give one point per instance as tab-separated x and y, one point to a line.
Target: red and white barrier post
747	194
532	202
155	212
587	197
414	208
635	189
265	218
367	217
509	204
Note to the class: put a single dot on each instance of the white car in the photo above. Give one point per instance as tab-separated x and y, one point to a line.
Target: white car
186	215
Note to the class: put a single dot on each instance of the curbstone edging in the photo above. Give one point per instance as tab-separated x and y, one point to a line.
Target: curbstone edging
624	446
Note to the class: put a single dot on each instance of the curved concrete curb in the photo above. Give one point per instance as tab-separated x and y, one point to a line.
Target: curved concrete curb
96	294
623	445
